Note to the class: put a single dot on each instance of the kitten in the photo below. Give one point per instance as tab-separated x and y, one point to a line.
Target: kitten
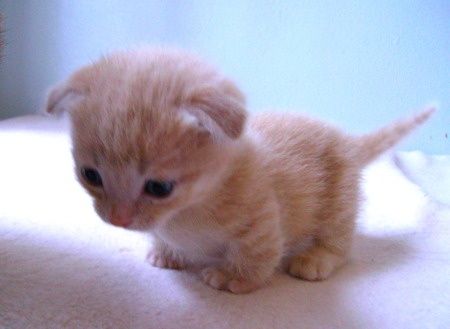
161	143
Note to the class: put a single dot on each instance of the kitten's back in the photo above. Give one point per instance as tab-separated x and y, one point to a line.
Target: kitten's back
299	139
315	168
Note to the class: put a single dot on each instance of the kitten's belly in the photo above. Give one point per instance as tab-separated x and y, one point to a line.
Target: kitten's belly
198	244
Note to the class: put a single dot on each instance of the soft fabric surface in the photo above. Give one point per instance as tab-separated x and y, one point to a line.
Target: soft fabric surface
431	173
61	267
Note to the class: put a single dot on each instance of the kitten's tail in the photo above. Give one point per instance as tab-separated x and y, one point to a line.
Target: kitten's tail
374	144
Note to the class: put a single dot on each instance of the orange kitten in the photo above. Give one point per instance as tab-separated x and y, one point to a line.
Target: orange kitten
160	141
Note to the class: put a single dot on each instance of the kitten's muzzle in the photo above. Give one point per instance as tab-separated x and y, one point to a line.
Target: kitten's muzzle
122	215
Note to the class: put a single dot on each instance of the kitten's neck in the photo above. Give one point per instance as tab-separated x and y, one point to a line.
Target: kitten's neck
235	183
236	180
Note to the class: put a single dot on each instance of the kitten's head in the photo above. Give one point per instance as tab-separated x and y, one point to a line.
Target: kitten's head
153	132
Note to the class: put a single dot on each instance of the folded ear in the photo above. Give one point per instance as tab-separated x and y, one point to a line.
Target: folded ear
62	97
223	104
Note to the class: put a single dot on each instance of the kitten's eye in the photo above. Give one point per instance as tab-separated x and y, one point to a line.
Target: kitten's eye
92	176
158	189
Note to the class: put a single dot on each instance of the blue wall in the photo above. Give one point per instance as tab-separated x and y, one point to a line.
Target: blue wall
359	64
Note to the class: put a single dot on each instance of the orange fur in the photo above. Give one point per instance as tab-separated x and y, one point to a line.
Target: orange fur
247	197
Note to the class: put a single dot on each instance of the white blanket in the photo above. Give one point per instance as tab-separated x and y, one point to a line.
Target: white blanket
61	267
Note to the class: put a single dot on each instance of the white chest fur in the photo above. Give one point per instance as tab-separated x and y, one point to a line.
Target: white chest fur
196	238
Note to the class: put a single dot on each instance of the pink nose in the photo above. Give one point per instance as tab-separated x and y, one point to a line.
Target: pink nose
121	215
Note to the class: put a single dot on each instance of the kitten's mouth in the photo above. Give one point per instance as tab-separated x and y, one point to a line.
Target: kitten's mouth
144	223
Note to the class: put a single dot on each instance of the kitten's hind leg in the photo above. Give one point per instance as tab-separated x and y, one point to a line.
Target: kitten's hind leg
161	255
329	251
336	223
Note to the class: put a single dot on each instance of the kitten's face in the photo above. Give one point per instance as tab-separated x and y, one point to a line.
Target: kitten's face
152	135
138	178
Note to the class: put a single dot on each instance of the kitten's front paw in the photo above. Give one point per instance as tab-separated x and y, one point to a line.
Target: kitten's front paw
222	280
315	265
164	260
215	277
